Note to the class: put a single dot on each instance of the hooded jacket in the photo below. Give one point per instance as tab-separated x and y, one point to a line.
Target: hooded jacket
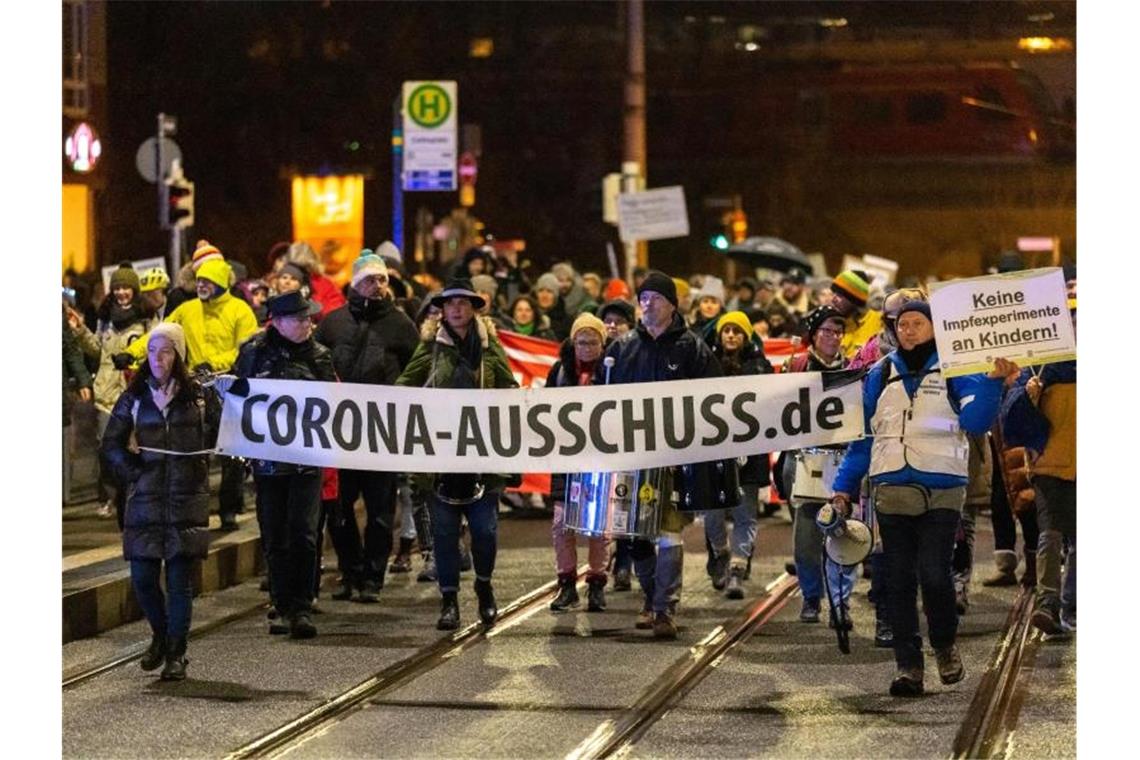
107	341
434	363
371	340
215	329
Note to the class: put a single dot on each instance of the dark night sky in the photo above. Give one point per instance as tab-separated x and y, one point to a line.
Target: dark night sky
262	87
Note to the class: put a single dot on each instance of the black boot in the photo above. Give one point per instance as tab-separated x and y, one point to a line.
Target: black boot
403	561
596	595
449	612
155	653
567	594
176	662
488	610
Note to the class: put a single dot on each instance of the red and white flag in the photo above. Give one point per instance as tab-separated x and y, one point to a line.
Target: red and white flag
531	360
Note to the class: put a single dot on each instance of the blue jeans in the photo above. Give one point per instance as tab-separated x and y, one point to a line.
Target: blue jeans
659	566
920	552
809	556
744	525
169	615
483	523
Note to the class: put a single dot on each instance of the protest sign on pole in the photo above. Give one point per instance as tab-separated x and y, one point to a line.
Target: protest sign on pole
1021	316
599	428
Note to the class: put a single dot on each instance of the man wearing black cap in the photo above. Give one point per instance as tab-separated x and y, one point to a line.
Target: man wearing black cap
917	455
460	350
660	348
793	296
288	495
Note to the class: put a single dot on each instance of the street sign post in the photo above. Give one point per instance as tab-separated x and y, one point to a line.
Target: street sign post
431	138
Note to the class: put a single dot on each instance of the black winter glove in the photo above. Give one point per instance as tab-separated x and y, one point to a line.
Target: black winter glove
122	361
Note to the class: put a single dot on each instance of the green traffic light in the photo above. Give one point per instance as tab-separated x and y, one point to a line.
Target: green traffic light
720	242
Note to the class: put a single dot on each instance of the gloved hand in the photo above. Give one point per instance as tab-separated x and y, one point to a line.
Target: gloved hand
122	361
222	383
203	369
238	386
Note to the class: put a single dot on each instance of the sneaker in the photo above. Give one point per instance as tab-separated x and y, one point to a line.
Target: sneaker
369	592
718	570
567	595
301	626
950	667
884	635
1046	620
664	627
809	613
401	564
229	523
644	620
344	591
277	624
734	589
622	580
106	510
1001	578
907	683
428	574
596	595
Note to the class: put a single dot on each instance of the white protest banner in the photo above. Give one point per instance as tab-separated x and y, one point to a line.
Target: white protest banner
1021	316
653	214
575	429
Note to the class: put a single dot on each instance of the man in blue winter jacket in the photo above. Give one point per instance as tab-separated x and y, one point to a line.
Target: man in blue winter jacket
917	455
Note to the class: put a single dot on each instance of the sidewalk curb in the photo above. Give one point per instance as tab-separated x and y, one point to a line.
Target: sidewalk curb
109	601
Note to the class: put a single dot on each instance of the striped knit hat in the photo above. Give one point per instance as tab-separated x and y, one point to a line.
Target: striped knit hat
366	265
853	285
204	252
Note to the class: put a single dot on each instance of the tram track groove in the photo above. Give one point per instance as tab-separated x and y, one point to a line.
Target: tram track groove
78	675
332	711
988	728
616	736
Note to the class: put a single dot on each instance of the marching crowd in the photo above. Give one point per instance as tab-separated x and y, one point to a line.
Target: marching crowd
155	356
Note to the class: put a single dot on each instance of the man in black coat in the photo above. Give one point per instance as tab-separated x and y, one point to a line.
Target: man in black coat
660	348
371	341
288	495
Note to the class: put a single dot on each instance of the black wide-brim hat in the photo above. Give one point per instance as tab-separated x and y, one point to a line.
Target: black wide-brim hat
291	304
460	287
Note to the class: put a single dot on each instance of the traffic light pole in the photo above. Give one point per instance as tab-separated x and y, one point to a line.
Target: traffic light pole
160	175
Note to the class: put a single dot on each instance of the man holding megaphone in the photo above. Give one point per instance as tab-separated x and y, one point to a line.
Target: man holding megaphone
917	455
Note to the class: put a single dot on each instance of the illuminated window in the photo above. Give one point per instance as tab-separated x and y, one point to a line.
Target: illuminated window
482	47
75	96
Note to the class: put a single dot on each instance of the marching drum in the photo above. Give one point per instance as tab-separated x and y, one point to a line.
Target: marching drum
815	473
616	504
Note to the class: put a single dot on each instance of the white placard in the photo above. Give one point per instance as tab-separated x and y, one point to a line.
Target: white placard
598	428
431	135
139	266
881	270
653	214
1021	316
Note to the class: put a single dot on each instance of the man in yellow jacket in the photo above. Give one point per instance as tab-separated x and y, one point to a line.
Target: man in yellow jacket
216	323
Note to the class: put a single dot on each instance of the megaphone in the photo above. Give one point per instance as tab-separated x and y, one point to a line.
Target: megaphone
847	542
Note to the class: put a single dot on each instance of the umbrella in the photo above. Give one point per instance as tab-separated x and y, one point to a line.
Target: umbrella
771	253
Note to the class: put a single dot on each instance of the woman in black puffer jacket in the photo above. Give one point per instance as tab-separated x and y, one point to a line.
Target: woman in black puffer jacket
173	422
